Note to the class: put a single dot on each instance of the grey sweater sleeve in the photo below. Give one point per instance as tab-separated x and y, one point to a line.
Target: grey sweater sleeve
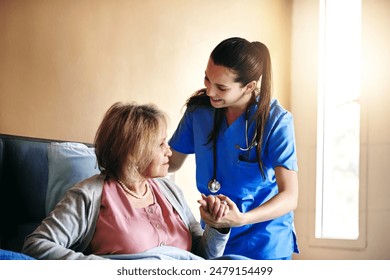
66	232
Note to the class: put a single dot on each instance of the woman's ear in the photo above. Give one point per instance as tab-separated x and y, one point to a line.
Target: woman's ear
250	87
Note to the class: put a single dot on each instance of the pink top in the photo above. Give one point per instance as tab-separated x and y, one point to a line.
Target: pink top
123	229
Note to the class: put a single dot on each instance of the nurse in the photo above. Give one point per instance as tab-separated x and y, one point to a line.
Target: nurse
244	147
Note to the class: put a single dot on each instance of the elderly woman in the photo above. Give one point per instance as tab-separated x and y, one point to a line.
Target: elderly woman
130	210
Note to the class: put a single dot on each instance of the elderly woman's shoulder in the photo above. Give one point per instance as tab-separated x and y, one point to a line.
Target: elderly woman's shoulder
91	184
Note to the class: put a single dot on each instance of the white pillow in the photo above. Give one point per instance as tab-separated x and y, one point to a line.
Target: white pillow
69	163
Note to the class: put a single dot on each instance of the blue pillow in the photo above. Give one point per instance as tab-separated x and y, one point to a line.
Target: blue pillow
69	163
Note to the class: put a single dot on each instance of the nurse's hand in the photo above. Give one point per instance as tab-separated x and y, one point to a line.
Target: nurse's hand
214	206
231	218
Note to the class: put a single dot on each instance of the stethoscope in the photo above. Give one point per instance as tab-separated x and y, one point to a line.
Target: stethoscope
213	185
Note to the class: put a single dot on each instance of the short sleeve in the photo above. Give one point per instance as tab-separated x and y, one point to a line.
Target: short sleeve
182	139
281	142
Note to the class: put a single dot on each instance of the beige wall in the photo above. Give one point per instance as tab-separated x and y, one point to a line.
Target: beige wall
63	63
375	135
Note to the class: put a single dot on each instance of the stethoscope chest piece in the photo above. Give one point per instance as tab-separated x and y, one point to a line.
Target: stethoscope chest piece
214	186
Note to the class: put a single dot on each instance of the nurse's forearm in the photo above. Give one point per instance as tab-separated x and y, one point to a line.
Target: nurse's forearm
277	206
285	201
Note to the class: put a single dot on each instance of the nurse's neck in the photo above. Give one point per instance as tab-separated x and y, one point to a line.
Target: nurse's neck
233	112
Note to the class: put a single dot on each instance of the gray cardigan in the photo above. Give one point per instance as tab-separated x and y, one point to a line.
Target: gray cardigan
67	231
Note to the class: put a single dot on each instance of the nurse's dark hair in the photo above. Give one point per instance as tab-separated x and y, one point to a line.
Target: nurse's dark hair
250	61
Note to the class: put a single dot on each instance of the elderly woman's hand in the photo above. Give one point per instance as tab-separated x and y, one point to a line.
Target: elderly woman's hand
214	206
219	211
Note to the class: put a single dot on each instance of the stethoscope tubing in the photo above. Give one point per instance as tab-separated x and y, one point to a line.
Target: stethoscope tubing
213	185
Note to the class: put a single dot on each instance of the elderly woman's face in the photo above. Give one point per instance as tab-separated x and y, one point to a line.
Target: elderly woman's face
160	163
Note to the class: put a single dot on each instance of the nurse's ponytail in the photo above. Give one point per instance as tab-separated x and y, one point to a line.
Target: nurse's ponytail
264	100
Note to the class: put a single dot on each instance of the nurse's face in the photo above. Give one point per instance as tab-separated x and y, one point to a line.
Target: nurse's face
223	90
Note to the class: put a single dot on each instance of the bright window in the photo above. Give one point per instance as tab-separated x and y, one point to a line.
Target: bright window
338	146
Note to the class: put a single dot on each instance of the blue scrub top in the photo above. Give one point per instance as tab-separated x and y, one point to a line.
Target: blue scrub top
239	174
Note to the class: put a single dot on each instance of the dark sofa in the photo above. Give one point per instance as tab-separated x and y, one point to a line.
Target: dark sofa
24	177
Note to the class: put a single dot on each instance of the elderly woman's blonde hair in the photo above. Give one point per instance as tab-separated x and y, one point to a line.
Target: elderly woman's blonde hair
126	139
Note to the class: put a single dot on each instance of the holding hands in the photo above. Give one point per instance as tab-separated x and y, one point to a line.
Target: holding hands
219	211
